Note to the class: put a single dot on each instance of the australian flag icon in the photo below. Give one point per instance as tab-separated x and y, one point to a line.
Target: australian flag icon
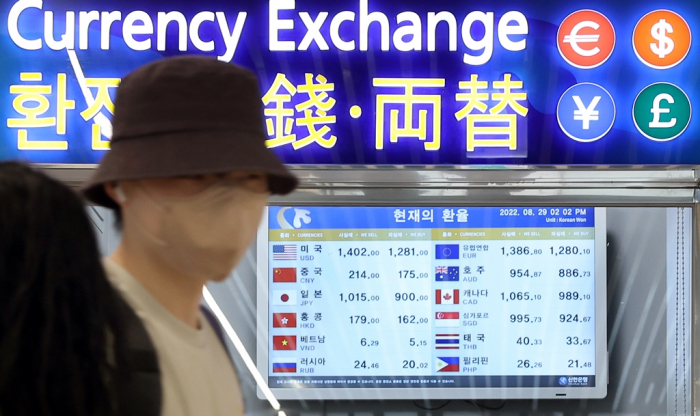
447	274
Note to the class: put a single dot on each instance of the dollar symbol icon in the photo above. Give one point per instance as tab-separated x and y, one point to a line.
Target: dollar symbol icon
665	45
661	39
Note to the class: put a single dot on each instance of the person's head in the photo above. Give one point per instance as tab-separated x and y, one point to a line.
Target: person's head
188	170
199	225
56	305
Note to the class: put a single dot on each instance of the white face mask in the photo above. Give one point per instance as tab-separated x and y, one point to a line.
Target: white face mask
204	236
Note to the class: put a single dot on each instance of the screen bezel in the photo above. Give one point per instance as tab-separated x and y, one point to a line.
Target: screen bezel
598	391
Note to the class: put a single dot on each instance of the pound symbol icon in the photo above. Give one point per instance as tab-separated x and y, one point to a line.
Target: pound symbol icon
656	110
661	39
586	39
662	112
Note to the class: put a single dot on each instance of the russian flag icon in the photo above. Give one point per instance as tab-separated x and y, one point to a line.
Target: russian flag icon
284	367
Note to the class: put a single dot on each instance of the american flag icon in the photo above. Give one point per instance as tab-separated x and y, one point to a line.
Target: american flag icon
284	252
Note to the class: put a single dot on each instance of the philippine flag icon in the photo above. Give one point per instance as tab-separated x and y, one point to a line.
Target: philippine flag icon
447	364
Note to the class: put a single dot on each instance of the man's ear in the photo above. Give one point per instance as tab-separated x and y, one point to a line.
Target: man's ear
115	191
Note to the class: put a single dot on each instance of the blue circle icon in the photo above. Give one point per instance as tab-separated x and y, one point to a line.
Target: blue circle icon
563	381
586	112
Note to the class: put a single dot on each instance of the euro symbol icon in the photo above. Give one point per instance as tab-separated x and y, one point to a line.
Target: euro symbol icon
656	110
574	38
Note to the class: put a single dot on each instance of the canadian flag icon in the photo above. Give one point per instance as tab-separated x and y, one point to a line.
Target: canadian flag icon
447	297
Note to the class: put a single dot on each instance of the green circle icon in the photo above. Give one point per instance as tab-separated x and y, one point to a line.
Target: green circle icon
661	112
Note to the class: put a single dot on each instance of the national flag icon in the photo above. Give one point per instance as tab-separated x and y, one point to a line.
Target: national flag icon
284	297
447	364
447	297
284	252
446	341
284	275
446	319
447	274
284	342
447	251
286	366
284	320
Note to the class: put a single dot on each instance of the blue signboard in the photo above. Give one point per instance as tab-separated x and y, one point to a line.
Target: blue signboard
499	82
305	217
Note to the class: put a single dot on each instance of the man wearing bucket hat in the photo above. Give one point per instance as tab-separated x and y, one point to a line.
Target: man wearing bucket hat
189	175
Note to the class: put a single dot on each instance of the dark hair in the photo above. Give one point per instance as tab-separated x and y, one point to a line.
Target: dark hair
60	328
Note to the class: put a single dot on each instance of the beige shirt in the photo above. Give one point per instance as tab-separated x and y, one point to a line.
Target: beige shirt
196	372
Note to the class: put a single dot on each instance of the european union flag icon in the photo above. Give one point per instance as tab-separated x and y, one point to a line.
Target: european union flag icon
447	251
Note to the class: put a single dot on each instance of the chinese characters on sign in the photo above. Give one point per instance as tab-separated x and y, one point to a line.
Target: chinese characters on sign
363	83
313	112
405	111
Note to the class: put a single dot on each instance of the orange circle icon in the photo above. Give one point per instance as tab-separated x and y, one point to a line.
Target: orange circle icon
662	39
586	39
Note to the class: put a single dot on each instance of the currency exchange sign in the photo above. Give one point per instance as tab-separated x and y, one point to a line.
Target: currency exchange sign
503	82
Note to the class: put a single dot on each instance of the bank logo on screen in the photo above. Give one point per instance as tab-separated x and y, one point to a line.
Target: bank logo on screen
586	112
301	217
586	39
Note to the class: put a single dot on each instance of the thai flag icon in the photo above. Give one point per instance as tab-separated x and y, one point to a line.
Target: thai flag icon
446	341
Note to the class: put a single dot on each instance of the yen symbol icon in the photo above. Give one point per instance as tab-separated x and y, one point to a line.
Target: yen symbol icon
586	112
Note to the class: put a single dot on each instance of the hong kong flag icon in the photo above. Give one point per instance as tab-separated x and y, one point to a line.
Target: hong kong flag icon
284	320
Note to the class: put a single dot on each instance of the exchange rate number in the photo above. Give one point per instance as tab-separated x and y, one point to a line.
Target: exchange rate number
412	319
524	318
358	297
520	251
406	252
568	250
409	297
528	341
568	318
520	296
573	296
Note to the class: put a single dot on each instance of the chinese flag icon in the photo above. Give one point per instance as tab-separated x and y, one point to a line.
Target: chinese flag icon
284	342
284	274
284	320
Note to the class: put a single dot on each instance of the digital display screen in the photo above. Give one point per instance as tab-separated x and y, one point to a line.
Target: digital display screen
483	302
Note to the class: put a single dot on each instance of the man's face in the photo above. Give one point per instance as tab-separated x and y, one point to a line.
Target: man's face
202	225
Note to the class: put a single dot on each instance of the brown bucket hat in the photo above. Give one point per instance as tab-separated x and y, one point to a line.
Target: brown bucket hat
187	116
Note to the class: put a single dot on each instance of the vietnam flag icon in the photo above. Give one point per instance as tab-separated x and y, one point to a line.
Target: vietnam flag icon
284	342
284	275
284	320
